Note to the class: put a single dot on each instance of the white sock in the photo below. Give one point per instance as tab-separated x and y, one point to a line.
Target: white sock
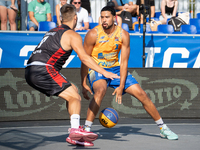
160	123
75	121
88	125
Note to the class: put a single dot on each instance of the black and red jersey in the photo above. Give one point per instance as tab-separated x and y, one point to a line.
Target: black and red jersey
49	50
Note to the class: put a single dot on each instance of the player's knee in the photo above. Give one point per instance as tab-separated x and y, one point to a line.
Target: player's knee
142	96
77	97
100	92
73	96
98	96
74	99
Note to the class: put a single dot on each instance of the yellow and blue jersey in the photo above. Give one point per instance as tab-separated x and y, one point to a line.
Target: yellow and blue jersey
106	50
105	53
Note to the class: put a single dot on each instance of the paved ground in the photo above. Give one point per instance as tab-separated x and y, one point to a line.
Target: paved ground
137	134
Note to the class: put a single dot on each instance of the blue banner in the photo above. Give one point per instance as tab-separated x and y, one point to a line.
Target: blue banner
163	51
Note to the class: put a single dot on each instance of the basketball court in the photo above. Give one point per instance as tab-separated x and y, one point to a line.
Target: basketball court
138	134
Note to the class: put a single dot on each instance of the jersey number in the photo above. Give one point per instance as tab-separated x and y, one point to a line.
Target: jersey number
43	40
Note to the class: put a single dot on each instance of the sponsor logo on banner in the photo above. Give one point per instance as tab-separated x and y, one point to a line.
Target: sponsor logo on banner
150	60
167	58
169	93
18	102
19	99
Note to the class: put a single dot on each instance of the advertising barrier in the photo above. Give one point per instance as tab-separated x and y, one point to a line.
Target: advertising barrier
175	93
163	51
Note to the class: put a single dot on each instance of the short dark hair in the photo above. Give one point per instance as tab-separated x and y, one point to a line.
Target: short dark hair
108	8
68	11
111	4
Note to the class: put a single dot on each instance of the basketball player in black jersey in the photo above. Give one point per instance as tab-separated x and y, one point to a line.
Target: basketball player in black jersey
46	61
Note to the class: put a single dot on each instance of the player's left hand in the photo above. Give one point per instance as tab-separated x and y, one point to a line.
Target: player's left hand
118	91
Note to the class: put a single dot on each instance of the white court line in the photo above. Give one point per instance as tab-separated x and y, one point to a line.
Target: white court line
119	125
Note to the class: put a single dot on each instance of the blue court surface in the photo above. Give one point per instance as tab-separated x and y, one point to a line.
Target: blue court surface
137	134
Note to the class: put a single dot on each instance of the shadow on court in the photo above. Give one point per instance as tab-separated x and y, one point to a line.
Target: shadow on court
117	133
139	134
22	140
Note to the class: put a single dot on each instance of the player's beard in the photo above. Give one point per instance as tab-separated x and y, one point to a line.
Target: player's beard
108	27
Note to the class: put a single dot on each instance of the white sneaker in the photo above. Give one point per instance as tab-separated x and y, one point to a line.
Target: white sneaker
165	132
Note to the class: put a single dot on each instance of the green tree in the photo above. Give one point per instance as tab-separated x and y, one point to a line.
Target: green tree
192	8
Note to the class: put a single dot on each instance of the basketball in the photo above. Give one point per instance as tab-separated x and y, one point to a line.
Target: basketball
108	117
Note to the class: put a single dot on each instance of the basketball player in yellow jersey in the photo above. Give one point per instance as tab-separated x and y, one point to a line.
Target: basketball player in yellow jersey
107	47
103	43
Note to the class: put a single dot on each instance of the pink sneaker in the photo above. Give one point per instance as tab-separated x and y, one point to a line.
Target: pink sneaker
80	133
79	142
71	141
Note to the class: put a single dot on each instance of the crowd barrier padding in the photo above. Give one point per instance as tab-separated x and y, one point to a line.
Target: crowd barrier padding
162	50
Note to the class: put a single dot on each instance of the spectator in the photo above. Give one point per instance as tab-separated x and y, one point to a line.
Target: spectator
86	4
82	16
168	10
12	6
151	5
127	5
58	13
38	10
118	19
7	13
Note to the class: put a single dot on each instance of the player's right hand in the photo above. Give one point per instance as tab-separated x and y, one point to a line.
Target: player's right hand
118	92
111	75
86	89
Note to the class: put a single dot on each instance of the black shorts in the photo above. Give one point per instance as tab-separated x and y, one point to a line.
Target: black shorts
46	79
